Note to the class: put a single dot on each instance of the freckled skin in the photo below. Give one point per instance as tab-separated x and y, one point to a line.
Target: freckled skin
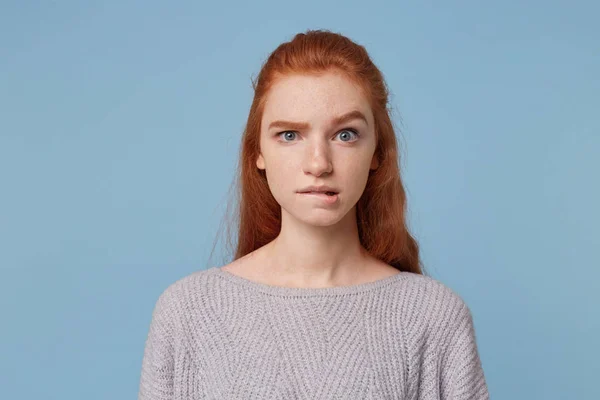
318	245
321	154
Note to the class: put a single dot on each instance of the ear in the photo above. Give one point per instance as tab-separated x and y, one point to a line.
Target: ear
260	162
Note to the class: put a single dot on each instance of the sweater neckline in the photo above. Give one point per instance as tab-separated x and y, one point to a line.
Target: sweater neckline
304	291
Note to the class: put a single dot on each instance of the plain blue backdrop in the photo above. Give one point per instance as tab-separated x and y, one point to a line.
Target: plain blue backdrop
120	124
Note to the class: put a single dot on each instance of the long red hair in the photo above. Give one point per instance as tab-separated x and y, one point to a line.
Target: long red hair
381	210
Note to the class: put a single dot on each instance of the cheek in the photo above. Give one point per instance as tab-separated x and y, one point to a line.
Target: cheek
280	174
356	175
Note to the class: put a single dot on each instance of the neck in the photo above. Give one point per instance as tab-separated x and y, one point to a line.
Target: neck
305	255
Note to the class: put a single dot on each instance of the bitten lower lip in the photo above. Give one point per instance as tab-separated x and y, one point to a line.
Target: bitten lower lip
322	197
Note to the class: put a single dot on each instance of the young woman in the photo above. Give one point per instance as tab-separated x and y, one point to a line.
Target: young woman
326	297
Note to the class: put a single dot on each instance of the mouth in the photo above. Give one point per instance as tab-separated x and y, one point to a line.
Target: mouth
327	197
327	193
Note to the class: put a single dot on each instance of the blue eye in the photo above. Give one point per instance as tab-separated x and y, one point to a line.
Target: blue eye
350	130
279	134
343	130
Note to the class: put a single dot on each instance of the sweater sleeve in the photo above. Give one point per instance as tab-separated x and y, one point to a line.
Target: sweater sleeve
463	373
157	374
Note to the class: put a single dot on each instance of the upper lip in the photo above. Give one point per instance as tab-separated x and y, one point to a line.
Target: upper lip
321	189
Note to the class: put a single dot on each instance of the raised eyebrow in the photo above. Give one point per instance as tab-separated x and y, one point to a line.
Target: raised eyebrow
355	114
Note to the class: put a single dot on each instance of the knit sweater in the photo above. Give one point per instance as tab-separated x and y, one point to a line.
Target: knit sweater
216	335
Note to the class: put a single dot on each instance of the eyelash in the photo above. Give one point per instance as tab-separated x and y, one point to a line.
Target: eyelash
345	129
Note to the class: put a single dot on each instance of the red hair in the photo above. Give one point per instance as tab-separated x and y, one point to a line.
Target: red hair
381	210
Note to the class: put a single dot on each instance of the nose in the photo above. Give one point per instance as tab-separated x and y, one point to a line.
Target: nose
317	159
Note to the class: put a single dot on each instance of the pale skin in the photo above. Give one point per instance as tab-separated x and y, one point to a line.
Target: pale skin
318	245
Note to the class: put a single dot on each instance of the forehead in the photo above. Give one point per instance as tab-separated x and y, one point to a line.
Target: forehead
325	96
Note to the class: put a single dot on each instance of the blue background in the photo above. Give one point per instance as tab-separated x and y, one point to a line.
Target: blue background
119	130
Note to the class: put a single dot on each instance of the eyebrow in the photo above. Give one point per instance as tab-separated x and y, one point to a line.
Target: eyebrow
355	114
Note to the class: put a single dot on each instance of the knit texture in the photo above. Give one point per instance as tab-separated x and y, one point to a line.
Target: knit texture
216	335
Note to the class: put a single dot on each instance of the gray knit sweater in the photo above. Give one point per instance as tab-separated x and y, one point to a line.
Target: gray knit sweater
216	335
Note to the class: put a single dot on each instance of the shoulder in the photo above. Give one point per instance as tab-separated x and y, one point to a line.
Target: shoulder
440	340
432	302
179	296
194	284
432	288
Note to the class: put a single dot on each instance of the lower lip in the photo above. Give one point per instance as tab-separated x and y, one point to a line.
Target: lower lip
322	196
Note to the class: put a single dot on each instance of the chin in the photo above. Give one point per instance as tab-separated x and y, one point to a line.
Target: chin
320	218
314	216
322	223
